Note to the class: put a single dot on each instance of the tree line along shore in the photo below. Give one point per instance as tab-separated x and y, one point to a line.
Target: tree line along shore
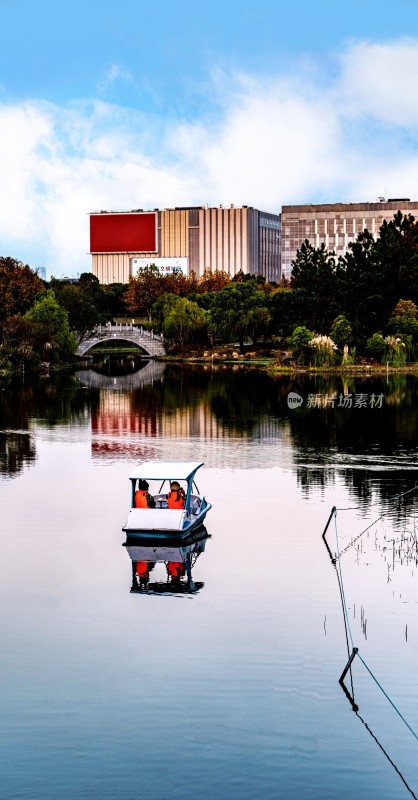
354	311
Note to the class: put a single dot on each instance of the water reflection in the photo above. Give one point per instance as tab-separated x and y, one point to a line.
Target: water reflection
112	364
145	374
385	548
386	754
115	417
167	568
46	403
50	402
17	450
254	660
140	410
349	693
327	438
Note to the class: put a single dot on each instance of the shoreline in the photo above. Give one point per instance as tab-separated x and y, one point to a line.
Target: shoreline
270	366
266	364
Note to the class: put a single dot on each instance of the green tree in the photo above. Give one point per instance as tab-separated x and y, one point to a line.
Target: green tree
376	347
160	309
281	305
91	288
361	287
397	249
83	316
237	311
299	343
51	327
242	277
315	284
113	305
375	273
183	319
341	331
16	343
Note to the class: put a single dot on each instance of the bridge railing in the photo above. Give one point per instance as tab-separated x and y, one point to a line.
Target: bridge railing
120	327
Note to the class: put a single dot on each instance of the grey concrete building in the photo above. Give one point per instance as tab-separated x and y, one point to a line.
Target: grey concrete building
334	224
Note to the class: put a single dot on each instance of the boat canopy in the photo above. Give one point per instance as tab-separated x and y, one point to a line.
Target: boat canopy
166	470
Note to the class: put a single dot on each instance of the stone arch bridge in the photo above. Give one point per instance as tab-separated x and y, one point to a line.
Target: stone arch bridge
152	343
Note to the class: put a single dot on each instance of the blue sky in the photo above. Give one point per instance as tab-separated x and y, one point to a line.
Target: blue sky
141	105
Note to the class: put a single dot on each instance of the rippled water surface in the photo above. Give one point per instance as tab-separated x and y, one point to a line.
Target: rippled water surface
225	686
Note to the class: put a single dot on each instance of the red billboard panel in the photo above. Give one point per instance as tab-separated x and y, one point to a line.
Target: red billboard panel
123	233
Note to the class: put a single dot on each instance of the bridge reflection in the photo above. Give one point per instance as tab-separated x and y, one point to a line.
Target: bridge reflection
116	423
150	372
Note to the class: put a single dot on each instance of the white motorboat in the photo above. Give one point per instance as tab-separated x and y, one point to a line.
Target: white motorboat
172	506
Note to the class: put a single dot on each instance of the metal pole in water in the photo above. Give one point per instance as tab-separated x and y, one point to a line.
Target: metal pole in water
333	511
341	679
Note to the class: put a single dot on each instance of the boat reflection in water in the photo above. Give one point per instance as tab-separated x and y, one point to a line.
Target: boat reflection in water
165	568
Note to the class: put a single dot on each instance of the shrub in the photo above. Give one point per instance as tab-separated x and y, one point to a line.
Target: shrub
299	343
396	351
376	347
341	331
324	351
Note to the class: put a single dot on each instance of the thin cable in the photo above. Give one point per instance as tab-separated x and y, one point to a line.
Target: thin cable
387	697
341	580
345	610
384	514
360	535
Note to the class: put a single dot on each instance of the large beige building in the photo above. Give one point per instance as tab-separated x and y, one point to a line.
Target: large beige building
334	224
230	239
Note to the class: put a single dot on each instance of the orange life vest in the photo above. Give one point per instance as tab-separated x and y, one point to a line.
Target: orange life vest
175	499
141	499
175	569
142	569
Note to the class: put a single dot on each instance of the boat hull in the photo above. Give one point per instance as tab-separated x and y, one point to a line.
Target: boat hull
139	526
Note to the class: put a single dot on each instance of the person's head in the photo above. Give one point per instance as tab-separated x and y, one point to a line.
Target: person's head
174	486
143	486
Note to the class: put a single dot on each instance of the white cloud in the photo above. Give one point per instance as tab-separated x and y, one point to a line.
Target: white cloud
381	81
270	142
24	131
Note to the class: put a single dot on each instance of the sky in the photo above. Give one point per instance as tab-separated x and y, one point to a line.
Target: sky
122	105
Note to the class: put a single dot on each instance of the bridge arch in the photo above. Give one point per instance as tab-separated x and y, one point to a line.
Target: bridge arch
151	343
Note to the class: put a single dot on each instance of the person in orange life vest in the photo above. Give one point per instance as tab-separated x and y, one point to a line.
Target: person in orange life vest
176	497
142	571
176	569
142	497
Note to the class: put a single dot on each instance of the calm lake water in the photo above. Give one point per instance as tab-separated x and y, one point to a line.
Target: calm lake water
229	690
